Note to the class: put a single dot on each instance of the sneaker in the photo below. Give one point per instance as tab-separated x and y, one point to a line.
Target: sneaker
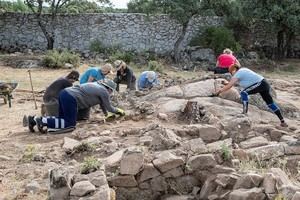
30	122
40	125
284	124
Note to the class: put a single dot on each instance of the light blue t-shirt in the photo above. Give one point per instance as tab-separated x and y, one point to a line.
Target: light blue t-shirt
143	82
247	77
93	72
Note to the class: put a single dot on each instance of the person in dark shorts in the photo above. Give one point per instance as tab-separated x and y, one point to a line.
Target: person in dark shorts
252	83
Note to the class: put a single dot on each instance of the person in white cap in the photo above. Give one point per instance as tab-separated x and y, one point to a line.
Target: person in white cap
147	80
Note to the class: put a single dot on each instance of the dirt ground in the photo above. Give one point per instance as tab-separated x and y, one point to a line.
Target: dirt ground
15	139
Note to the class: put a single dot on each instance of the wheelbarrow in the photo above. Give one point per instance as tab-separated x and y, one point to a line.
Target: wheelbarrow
6	90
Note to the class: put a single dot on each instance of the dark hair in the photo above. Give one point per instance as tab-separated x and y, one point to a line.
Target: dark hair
73	75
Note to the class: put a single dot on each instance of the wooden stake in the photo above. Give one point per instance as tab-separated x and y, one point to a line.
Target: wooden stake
35	105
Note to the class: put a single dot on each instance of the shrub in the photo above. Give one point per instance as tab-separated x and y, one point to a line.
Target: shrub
29	153
155	66
90	164
122	55
216	38
56	59
97	47
226	152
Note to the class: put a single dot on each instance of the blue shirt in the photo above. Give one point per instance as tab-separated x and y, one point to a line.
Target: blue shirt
247	77
93	72
143	82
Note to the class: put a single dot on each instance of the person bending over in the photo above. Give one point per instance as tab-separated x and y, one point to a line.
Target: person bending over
147	80
72	99
252	83
124	75
224	61
95	74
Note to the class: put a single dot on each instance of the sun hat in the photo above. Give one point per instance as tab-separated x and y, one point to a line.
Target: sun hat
150	76
108	83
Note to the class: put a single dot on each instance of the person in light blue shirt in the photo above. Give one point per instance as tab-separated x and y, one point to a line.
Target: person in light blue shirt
252	83
147	80
95	74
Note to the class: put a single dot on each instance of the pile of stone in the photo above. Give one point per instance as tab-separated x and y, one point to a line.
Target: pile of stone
92	186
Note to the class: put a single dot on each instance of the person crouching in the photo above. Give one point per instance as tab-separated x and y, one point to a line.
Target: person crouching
73	99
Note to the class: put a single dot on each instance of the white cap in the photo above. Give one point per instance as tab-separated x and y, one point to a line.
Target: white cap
150	76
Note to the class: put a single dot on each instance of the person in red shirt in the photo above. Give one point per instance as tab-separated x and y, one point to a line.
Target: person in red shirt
224	61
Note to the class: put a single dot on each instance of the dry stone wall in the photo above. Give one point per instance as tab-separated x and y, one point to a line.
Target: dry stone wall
137	32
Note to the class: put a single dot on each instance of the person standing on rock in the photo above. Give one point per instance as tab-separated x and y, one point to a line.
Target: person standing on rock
73	99
147	80
124	75
252	83
50	98
95	74
225	60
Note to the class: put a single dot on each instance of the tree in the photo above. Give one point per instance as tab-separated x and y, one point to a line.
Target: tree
284	17
182	11
17	6
51	7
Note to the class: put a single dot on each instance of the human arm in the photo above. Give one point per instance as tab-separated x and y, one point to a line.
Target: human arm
228	86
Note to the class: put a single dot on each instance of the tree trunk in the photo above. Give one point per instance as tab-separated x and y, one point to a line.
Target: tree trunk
177	46
288	48
280	45
49	36
193	113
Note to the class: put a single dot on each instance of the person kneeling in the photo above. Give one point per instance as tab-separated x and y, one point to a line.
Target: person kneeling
252	83
72	99
147	80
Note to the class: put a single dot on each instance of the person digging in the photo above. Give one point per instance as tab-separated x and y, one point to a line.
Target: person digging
124	75
251	83
72	100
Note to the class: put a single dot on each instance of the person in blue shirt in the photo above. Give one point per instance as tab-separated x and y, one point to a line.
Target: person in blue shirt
252	83
147	80
95	74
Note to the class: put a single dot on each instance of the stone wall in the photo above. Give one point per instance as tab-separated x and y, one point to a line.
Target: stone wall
137	32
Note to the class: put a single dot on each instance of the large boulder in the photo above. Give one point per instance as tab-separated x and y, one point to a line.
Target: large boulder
122	181
254	142
59	184
248	181
247	194
148	172
167	161
200	162
200	54
195	146
132	161
267	152
82	188
164	139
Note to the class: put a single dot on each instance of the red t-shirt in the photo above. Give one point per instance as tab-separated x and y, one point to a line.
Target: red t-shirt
225	60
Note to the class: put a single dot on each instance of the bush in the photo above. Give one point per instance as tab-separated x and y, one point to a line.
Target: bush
90	164
127	57
56	59
155	66
216	38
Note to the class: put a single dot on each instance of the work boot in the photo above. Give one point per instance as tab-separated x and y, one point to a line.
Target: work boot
41	126
30	122
284	124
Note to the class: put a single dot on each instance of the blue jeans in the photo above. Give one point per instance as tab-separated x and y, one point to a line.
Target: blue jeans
67	112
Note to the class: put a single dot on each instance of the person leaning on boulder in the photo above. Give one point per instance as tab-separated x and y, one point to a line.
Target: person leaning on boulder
124	75
72	99
252	83
147	80
95	74
224	61
50	98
